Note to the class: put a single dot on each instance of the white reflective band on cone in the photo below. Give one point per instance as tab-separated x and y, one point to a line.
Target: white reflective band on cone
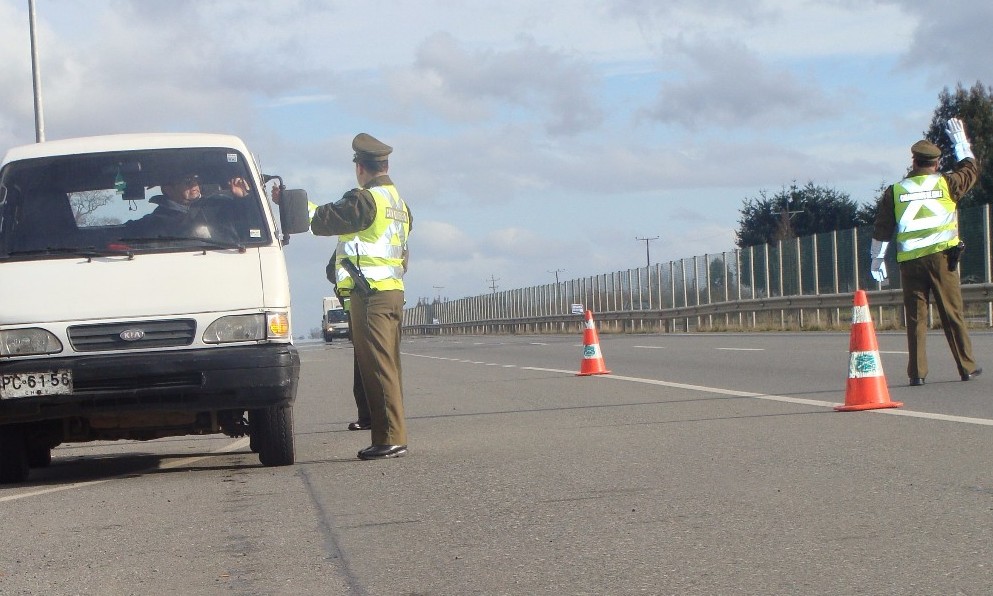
860	314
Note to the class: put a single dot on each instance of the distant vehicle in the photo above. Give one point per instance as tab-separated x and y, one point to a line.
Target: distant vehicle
115	331
335	319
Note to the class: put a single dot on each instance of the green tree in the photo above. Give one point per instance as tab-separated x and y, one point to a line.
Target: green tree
975	108
796	211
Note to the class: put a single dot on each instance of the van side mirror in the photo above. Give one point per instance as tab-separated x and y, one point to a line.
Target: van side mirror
294	212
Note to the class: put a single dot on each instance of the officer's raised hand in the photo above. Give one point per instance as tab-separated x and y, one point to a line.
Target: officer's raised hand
956	134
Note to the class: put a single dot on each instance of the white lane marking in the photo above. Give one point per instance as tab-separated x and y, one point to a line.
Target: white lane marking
719	391
780	398
240	443
742	349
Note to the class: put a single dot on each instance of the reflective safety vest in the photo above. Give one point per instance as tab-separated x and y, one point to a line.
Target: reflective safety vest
926	219
378	250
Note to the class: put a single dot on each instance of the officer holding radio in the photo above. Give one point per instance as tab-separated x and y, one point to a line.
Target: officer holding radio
920	212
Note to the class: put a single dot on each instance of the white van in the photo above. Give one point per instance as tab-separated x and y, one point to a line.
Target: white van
335	320
113	328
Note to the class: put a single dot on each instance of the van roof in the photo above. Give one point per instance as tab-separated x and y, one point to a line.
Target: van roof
123	142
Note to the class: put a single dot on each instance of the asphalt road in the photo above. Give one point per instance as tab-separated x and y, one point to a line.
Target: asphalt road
703	464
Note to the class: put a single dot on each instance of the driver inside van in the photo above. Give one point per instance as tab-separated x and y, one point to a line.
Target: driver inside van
182	210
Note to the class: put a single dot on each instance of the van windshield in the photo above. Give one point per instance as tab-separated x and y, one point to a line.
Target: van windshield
132	201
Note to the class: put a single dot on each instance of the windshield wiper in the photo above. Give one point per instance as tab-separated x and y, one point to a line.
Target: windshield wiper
71	251
205	241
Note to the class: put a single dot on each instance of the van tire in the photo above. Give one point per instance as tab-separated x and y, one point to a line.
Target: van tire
39	456
13	455
273	431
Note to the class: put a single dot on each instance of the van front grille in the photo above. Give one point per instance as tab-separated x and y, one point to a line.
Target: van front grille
134	335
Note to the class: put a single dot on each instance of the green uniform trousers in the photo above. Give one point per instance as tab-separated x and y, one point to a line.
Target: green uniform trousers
358	391
376	322
921	278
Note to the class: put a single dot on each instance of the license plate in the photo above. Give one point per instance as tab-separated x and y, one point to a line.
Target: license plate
16	385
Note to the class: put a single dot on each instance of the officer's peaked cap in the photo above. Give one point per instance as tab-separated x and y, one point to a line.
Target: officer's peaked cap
369	148
925	149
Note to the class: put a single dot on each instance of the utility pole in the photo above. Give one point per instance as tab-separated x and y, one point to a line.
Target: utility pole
493	286
648	254
39	117
556	272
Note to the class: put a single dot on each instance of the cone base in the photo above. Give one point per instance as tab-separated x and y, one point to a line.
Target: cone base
597	372
870	406
867	394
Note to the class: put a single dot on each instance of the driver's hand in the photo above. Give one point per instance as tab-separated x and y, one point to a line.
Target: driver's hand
276	193
239	187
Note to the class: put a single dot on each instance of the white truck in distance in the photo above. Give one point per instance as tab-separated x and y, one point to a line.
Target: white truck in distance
334	323
112	327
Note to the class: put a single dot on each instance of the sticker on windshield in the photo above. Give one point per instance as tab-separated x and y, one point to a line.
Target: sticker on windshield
232	158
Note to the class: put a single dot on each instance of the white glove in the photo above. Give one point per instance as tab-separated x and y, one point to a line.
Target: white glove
956	133
878	270
877	252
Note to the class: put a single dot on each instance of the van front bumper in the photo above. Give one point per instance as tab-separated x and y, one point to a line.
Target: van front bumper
213	379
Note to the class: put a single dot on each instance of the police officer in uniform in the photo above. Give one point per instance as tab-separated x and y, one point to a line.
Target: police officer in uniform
372	224
920	211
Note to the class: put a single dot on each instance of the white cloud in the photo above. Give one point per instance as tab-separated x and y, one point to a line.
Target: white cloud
454	82
727	86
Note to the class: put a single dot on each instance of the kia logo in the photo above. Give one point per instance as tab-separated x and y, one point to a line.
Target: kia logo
132	334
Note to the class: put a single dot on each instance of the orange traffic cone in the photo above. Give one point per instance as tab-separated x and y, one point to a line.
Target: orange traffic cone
866	388
592	363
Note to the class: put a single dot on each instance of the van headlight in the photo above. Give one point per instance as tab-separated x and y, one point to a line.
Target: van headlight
254	327
235	328
28	342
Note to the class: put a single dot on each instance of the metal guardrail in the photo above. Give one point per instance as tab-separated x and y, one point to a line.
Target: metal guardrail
788	284
676	319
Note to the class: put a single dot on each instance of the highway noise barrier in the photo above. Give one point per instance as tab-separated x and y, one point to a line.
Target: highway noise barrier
866	388
592	363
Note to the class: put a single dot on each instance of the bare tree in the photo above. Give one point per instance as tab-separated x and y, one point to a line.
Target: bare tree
86	203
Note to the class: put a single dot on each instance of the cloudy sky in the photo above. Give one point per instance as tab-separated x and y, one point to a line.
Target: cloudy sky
530	137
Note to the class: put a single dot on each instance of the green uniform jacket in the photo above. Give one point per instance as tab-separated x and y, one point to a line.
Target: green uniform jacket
354	212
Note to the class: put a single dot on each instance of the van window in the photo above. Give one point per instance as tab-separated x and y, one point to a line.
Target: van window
337	316
136	201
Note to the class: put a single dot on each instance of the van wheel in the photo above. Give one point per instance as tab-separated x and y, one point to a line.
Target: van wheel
39	456
13	455
273	431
